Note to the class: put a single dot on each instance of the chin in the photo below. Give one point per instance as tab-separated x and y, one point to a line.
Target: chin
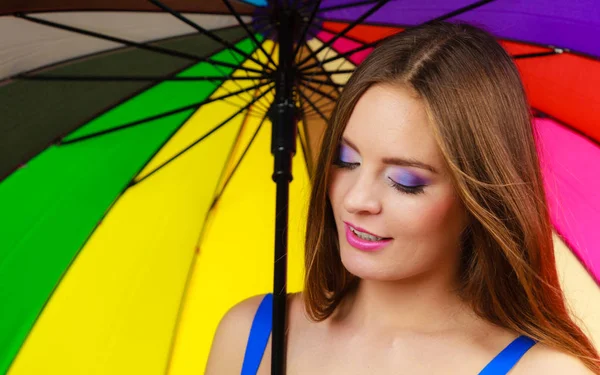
368	266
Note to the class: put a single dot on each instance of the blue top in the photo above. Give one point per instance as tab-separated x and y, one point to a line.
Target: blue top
261	330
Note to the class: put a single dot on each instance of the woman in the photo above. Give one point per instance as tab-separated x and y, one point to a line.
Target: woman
428	244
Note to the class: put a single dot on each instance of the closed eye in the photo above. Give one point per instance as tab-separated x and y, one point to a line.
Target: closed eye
407	189
401	188
343	164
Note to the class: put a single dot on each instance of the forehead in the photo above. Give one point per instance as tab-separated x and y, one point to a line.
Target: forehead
391	121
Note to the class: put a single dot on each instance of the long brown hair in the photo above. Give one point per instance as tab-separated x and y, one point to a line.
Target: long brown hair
482	123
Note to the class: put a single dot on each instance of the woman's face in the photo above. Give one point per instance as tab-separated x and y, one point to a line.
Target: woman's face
378	185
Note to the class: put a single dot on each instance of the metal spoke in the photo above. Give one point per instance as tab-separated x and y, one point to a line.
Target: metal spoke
345	6
322	82
144	46
327	72
314	107
328	51
322	68
324	106
250	33
217	196
236	58
208	33
156	117
360	19
373	44
539	54
323	27
132	183
458	11
342	55
86	78
270	74
260	104
305	148
306	26
318	91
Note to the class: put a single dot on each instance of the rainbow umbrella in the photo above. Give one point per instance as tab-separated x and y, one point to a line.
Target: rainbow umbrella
140	141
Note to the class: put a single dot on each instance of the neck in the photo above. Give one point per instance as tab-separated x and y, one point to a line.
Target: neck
421	304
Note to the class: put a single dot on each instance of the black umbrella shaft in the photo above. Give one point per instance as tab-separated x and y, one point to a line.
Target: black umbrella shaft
283	147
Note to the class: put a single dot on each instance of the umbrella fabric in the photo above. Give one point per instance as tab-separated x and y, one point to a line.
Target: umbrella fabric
135	212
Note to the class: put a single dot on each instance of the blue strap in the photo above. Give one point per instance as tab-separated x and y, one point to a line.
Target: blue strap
259	336
509	357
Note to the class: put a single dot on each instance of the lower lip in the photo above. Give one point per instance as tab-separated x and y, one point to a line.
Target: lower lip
361	244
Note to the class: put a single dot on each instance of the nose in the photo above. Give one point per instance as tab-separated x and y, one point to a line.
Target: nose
363	197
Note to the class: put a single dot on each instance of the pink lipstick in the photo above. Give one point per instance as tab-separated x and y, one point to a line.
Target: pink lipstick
362	244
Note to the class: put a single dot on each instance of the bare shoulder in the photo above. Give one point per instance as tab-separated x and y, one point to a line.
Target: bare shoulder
542	359
229	343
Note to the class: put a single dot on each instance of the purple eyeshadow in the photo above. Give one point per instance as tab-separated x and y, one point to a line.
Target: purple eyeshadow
346	154
408	179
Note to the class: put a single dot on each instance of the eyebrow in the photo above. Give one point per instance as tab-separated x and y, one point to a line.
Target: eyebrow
405	162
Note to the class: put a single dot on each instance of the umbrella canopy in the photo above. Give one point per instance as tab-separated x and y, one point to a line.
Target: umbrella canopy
136	200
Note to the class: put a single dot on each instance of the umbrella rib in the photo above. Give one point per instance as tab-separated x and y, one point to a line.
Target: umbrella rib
245	72
373	44
304	111
322	82
206	32
260	105
302	138
344	6
42	77
220	193
459	11
79	124
305	144
306	26
201	235
250	33
341	55
269	74
318	91
322	68
323	27
130	43
307	46
328	73
539	54
222	174
319	100
324	98
354	23
542	114
156	117
85	78
224	122
327	77
314	107
235	82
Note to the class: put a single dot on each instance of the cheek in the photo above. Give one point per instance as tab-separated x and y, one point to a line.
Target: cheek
426	215
335	187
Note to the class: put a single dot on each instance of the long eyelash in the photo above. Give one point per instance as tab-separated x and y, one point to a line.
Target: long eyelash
401	188
407	189
343	164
